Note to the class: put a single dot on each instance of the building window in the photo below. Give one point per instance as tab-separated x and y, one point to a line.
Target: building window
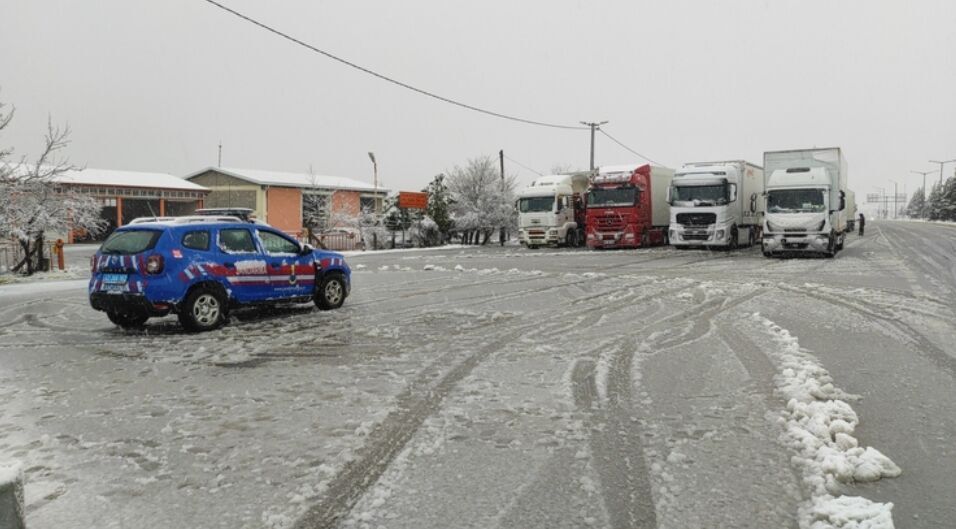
367	204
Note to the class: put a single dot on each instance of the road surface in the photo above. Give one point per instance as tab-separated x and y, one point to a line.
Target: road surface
508	388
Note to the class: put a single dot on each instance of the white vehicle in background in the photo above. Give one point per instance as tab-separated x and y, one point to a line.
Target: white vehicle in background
851	211
806	201
716	204
551	211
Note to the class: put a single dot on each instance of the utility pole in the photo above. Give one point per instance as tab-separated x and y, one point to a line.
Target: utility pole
896	196
501	162
219	164
923	205
594	126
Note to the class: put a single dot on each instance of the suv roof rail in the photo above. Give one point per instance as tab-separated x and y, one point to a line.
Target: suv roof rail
195	219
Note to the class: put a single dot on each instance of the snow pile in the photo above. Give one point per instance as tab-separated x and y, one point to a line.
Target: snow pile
435	268
819	426
9	473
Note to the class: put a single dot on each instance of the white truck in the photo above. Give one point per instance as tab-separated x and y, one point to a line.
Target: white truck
716	204
551	210
806	201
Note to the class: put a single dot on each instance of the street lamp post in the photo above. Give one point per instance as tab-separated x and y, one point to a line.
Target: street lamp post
378	206
923	206
941	164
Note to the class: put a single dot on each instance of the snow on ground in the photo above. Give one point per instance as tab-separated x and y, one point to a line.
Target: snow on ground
819	429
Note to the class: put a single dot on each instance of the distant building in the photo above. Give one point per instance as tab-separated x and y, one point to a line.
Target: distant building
126	195
288	201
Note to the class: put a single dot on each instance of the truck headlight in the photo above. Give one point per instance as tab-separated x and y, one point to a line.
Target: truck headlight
720	234
673	234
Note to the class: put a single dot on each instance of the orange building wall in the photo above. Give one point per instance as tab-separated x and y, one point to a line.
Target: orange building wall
284	209
345	202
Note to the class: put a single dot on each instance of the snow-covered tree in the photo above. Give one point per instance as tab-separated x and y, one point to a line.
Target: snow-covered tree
34	203
935	203
483	201
439	206
915	208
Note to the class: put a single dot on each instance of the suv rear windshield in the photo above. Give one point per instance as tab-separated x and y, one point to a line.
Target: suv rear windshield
130	242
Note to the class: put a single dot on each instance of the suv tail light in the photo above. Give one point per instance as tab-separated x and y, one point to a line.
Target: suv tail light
154	264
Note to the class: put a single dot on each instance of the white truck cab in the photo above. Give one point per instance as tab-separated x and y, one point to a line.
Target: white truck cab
806	202
716	204
551	210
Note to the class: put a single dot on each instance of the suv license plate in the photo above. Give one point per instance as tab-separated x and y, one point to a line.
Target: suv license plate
114	279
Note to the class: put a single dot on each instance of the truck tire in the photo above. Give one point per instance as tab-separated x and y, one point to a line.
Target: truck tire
645	239
734	238
331	292
203	310
127	320
571	239
752	237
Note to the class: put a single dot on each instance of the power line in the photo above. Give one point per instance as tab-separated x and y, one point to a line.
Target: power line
389	79
522	165
615	140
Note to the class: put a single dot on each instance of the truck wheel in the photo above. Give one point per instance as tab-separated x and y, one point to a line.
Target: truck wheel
734	243
331	292
571	239
752	237
831	247
203	310
127	320
645	239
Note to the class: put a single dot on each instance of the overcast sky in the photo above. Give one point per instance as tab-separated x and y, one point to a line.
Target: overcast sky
155	85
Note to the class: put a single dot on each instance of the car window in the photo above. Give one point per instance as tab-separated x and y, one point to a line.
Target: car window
275	243
130	242
196	240
236	241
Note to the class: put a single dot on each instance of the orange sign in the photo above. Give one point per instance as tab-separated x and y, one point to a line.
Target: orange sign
412	200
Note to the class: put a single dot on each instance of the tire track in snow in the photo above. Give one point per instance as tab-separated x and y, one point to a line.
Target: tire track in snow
923	345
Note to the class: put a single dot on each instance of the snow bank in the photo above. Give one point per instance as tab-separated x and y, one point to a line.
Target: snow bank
10	473
819	426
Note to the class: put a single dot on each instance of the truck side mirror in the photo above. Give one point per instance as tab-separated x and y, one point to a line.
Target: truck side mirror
842	200
669	200
732	192
753	202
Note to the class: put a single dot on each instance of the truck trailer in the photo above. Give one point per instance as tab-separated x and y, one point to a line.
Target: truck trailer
806	201
716	204
551	211
627	206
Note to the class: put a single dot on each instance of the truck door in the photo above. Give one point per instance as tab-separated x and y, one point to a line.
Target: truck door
291	274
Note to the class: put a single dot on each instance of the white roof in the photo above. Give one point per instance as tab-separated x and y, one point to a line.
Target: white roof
304	180
117	178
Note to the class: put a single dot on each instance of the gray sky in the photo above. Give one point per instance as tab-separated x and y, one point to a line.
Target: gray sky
155	86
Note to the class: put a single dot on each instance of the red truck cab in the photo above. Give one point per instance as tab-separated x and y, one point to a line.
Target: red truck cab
627	207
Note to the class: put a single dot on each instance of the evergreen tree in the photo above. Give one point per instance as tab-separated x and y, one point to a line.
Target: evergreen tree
915	208
439	202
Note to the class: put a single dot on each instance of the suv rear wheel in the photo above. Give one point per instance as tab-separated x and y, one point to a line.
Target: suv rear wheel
203	310
331	292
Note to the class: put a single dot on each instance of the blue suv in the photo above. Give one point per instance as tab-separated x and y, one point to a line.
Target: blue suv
199	268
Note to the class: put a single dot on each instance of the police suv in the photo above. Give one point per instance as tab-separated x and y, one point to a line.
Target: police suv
199	267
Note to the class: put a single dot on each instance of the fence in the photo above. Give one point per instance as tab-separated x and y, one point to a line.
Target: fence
9	256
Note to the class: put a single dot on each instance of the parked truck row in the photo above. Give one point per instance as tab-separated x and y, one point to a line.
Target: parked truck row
797	202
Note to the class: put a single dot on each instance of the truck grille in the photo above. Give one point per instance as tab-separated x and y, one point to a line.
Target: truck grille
696	219
795	230
695	236
615	223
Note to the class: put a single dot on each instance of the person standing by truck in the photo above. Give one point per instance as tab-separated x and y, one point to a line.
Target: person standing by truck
862	222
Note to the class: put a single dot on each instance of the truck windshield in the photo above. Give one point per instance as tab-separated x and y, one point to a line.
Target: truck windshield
621	196
701	195
795	201
535	204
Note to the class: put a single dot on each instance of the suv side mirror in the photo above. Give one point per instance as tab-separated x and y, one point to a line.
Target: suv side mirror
306	249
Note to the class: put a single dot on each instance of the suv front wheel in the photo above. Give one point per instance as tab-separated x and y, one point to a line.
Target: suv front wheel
203	310
331	292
